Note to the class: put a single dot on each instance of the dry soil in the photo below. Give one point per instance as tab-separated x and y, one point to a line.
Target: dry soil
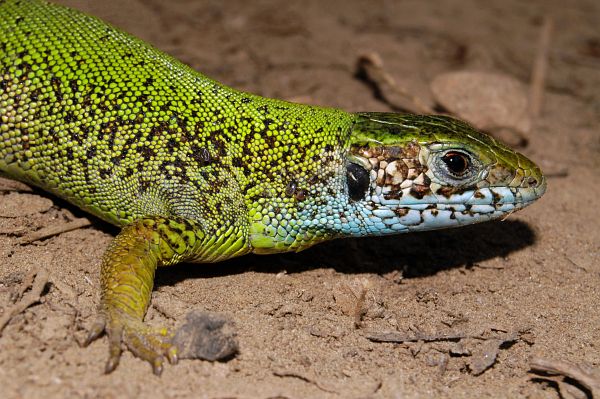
528	286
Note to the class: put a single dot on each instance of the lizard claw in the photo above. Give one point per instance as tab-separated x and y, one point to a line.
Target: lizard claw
172	355
95	331
114	348
149	344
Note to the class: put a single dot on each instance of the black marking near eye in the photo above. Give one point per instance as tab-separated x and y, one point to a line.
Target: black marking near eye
457	162
358	181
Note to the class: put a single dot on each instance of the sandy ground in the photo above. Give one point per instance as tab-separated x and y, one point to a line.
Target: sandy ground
528	286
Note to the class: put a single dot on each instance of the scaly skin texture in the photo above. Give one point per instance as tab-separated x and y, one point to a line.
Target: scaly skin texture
195	171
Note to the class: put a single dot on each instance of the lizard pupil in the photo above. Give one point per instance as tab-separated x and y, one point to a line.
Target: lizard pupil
456	162
358	181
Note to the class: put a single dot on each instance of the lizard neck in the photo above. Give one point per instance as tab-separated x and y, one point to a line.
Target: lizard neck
295	183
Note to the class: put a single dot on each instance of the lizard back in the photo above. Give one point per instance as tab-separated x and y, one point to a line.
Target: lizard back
123	130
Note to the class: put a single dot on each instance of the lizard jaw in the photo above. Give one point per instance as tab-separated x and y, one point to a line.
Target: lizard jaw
409	213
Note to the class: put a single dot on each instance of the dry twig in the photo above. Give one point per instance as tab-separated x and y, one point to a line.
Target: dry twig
32	297
53	230
370	68
587	378
304	378
540	68
399	338
481	360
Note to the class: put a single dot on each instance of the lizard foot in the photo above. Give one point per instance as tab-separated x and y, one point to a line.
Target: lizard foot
147	343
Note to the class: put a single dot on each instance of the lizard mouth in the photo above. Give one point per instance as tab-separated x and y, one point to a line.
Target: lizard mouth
432	211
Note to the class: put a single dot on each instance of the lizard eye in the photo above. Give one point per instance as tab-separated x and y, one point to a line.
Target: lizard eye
455	167
456	162
358	181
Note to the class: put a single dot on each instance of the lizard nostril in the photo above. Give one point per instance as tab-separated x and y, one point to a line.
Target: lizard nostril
532	182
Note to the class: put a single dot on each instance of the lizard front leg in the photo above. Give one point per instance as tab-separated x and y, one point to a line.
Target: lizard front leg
127	278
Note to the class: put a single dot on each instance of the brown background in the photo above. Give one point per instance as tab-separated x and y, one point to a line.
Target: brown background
536	275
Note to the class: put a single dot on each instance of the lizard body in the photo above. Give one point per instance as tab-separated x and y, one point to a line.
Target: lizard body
196	171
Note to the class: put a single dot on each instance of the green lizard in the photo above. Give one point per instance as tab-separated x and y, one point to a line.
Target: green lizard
194	171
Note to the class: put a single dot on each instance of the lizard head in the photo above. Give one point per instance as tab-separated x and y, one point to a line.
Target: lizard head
408	172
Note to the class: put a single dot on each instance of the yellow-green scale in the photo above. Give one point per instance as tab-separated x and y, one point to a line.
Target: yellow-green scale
124	131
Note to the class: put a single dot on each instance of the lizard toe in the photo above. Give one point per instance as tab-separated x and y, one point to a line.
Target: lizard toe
95	330
115	337
150	345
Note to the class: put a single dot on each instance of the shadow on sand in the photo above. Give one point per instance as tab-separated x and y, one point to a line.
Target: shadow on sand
418	254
